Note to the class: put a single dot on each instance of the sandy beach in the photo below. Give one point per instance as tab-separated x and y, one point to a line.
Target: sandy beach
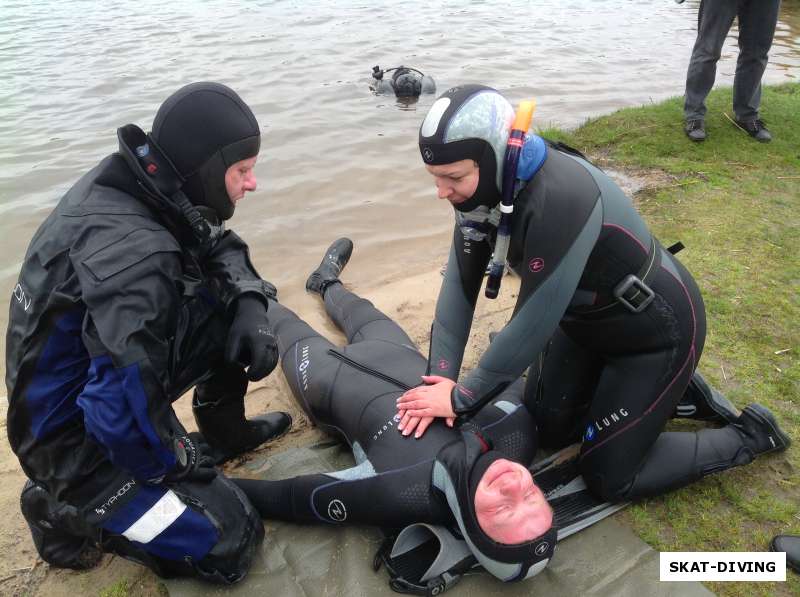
410	301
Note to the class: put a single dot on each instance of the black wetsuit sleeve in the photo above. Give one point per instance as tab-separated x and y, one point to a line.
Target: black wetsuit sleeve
393	498
130	291
456	304
230	272
558	239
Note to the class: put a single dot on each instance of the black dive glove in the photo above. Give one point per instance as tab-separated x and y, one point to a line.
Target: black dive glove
250	340
191	464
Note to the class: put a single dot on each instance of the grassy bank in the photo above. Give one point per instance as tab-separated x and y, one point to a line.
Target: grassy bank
735	204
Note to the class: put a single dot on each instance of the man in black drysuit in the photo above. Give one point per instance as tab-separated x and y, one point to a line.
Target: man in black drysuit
611	324
131	293
451	477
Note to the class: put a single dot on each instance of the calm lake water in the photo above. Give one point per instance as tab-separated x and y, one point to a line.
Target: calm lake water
336	160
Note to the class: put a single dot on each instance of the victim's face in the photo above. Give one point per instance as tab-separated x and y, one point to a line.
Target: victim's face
510	507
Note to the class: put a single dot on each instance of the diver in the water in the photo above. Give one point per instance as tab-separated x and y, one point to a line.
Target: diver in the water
450	476
405	82
611	324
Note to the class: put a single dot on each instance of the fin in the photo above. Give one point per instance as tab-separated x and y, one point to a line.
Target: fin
574	506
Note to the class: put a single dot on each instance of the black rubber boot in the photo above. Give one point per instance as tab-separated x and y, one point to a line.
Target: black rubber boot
760	430
56	546
227	433
701	402
336	257
789	544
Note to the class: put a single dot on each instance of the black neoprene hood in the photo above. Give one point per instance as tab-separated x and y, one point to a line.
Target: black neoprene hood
204	128
458	469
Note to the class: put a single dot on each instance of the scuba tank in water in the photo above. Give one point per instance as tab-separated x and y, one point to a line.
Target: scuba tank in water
405	81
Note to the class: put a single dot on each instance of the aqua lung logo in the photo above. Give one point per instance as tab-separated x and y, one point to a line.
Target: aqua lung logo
542	548
536	265
103	508
305	361
386	426
605	423
337	511
427	154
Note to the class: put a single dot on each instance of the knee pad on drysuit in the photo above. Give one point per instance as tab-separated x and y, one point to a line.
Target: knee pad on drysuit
57	535
206	530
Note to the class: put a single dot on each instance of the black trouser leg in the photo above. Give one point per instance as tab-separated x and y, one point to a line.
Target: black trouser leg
360	320
308	366
757	21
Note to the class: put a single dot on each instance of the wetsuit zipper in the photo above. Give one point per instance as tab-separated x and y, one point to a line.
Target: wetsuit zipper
368	370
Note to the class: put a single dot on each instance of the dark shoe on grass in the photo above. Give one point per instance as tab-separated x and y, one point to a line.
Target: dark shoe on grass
701	402
756	129
761	432
336	257
789	544
695	130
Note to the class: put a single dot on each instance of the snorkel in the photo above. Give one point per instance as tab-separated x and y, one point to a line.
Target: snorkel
516	139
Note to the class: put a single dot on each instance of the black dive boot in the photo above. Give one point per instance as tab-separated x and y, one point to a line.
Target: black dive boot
56	546
701	402
228	434
336	257
760	430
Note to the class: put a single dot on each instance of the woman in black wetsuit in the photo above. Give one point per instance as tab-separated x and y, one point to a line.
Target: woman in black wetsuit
612	323
449	476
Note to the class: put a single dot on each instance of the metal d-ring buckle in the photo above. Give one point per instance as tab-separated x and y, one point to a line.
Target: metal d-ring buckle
632	281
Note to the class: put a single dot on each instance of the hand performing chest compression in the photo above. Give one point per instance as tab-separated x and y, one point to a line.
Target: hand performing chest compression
419	406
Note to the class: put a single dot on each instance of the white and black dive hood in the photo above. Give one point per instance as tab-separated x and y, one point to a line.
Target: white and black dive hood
469	122
457	470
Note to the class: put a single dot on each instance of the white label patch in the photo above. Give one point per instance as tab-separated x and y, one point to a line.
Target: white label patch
155	521
431	123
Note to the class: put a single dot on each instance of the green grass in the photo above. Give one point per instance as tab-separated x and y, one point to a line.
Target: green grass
735	204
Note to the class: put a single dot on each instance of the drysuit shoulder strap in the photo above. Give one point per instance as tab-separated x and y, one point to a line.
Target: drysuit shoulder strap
158	176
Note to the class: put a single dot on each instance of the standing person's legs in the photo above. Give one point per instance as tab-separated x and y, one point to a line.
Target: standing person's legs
714	20
757	21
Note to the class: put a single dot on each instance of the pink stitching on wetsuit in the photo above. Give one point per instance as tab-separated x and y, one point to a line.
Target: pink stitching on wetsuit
629	233
677	375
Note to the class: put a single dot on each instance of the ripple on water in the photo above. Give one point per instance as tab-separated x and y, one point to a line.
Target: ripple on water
336	159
